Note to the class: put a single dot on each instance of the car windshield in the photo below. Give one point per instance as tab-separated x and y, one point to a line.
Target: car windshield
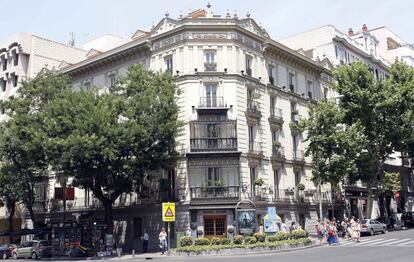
364	221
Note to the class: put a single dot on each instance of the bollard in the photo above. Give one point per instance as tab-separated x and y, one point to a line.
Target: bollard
133	252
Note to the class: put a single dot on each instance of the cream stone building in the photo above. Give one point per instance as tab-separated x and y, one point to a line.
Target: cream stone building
242	97
378	48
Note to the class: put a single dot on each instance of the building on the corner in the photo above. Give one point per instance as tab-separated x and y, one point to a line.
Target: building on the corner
378	48
242	97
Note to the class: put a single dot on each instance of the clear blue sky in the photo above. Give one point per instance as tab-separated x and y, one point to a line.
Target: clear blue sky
90	18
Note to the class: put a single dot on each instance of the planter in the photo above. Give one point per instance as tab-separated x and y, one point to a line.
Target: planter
239	249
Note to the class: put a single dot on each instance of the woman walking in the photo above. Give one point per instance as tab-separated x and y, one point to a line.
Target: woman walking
163	241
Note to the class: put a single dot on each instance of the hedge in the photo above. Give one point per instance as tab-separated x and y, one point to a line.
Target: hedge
198	249
281	236
238	239
186	241
299	233
225	241
201	241
250	240
215	241
260	237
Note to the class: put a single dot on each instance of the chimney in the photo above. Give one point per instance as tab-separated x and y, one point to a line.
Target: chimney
350	32
364	28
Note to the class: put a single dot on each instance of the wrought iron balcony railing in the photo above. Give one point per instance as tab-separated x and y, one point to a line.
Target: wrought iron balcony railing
211	102
213	144
212	193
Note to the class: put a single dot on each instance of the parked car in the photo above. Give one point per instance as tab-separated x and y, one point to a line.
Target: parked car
6	250
408	218
33	249
372	226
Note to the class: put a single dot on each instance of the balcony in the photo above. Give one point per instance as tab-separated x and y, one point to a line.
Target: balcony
255	148
212	102
276	116
213	144
214	193
210	67
278	155
253	109
298	157
280	195
249	71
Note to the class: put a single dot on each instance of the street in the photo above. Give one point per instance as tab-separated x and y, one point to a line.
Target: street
393	246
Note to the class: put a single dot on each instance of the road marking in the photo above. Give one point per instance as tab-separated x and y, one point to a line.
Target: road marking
406	243
384	241
369	242
398	241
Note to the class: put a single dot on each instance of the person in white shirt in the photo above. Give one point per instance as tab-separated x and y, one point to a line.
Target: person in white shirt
188	232
163	241
145	240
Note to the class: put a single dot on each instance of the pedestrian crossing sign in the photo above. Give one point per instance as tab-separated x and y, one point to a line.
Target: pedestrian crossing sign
168	212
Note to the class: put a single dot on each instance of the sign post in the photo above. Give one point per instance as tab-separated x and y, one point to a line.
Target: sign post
168	215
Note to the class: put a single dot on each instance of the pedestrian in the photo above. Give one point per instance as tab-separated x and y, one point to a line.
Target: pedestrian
292	227
145	240
283	227
163	241
358	230
319	231
188	232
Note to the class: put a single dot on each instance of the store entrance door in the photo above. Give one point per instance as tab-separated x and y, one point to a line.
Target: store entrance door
215	226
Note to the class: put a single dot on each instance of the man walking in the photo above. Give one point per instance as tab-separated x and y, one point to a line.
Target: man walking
145	240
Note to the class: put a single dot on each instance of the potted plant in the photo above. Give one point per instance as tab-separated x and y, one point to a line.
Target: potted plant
300	187
277	144
220	186
259	182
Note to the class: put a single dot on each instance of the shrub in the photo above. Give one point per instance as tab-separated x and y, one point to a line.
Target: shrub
299	233
225	241
250	240
202	241
186	241
272	239
260	237
238	240
281	236
215	241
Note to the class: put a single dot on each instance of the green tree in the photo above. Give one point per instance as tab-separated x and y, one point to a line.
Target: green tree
367	101
10	192
22	140
107	142
333	146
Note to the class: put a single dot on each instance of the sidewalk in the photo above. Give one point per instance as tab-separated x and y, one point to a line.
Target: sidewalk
123	257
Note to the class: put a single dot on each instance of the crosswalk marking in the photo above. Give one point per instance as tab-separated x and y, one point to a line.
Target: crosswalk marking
398	241
372	241
405	242
384	241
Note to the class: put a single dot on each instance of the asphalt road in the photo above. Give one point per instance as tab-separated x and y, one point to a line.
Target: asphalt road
391	247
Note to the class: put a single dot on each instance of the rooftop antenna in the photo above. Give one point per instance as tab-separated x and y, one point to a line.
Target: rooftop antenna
71	41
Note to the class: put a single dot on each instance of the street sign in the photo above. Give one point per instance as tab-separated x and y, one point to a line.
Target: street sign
168	212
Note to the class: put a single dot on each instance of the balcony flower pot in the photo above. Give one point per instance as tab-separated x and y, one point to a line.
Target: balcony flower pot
277	144
300	187
259	182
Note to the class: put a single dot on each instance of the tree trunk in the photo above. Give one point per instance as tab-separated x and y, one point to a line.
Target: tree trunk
108	216
29	207
11	208
369	200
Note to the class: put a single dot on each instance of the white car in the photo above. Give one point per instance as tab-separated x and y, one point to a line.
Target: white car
372	226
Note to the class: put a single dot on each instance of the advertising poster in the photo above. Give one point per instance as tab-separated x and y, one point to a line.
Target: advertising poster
246	222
